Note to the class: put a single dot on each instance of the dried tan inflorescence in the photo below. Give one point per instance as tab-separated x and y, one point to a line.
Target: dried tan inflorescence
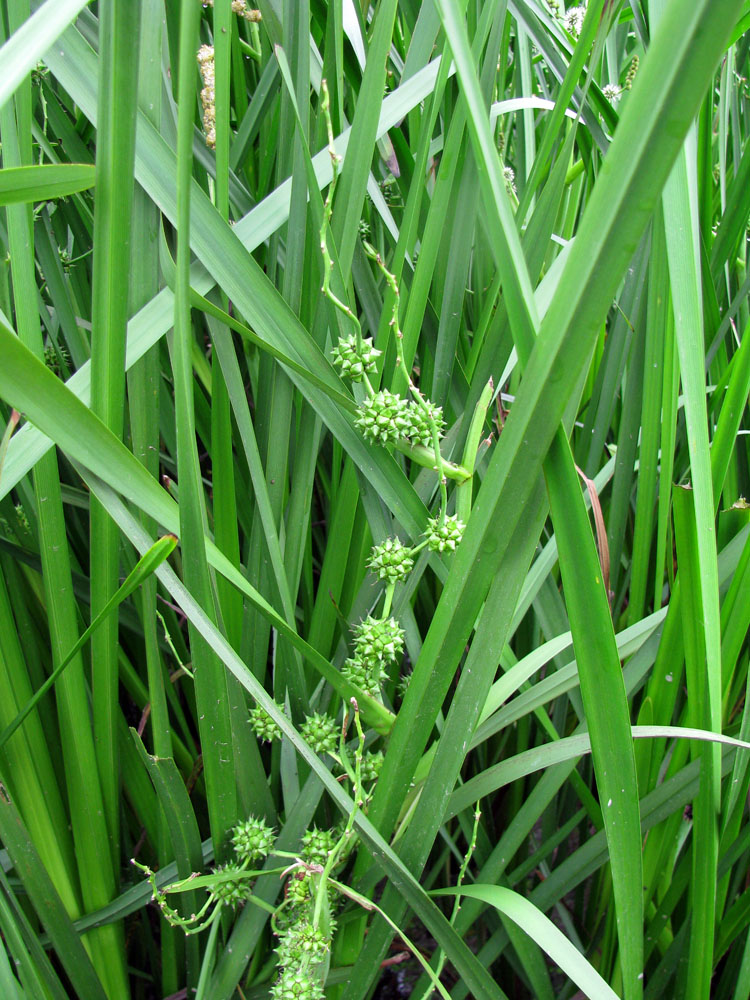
240	8
208	94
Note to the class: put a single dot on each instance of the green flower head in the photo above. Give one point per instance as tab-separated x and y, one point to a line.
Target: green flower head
317	845
378	640
321	732
384	417
421	421
445	536
231	891
263	725
391	560
297	984
252	839
354	363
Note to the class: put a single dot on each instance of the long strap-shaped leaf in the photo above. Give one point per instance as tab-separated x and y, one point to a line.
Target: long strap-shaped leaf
50	180
25	48
544	932
115	153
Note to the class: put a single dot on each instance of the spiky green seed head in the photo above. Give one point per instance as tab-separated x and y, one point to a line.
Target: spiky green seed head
371	765
303	942
358	673
384	417
378	641
231	891
445	536
299	887
253	839
391	560
54	356
420	423
321	732
317	845
297	984
403	684
353	363
263	725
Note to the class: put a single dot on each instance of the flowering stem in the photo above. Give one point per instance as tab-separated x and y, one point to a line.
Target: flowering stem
439	461
325	108
457	903
335	854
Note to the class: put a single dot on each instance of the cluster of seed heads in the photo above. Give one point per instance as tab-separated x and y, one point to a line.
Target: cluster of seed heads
320	731
230	884
253	840
377	644
633	69
386	417
304	922
304	942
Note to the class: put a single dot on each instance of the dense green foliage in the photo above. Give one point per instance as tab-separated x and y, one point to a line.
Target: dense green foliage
424	328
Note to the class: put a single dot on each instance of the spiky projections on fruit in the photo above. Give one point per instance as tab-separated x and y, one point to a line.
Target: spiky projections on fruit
377	644
391	560
421	420
445	536
231	891
263	725
297	984
303	941
321	732
378	640
317	845
384	417
354	363
253	839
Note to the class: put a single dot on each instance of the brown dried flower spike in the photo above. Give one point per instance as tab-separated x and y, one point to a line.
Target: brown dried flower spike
208	94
